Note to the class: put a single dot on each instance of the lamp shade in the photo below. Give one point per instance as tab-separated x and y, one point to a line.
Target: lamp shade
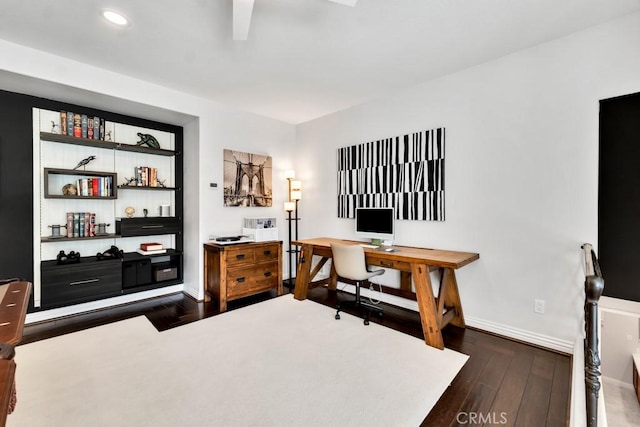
289	206
296	190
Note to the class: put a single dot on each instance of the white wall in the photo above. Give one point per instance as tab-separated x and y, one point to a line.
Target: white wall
521	165
521	172
209	128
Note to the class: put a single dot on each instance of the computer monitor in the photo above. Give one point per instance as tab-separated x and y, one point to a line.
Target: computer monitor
375	224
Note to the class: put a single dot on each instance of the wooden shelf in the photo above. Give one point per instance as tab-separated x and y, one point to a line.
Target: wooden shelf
132	256
109	145
45	239
79	173
146	187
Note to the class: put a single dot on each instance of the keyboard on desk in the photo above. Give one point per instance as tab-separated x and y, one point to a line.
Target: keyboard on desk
364	245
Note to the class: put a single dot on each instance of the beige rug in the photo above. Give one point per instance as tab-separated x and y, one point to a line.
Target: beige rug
281	362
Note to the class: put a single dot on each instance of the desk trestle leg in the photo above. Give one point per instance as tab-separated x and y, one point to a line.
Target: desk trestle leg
427	306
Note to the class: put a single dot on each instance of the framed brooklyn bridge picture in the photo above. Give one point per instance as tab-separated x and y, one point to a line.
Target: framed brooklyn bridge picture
247	179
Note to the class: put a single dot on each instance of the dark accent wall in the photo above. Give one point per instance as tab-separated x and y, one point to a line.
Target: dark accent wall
16	175
619	196
16	186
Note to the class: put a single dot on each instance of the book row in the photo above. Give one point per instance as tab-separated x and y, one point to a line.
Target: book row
101	186
83	126
81	224
146	176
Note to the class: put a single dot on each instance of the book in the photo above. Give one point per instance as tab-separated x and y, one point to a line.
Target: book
92	225
90	128
153	181
63	122
87	224
69	123
69	224
159	251
77	125
84	125
94	187
81	224
96	128
76	224
151	246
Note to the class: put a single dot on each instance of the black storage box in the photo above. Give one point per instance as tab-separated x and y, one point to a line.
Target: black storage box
163	272
136	273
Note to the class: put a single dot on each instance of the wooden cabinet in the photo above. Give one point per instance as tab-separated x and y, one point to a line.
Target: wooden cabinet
636	375
240	270
75	283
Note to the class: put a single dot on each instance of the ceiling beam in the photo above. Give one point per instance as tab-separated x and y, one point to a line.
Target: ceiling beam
351	3
242	10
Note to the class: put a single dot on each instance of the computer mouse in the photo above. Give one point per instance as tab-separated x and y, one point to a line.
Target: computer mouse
389	250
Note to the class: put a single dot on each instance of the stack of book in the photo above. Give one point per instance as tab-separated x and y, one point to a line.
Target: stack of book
146	176
81	224
82	125
151	249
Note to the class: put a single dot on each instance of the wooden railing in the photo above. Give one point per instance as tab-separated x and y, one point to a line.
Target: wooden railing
14	299
593	287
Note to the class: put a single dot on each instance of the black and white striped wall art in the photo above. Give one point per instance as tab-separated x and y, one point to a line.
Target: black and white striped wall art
404	172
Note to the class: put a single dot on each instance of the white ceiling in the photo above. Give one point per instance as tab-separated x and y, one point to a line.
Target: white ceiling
303	58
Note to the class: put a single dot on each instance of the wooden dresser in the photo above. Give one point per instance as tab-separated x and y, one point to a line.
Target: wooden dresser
243	269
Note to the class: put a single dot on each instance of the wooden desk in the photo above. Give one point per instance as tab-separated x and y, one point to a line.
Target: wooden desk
14	299
413	263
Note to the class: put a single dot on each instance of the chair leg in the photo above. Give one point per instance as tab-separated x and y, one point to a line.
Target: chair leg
365	309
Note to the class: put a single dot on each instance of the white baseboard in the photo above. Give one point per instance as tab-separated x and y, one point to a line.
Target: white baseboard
623	384
545	341
484	325
41	316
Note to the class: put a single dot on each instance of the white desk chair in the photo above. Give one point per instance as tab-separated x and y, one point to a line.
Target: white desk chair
349	262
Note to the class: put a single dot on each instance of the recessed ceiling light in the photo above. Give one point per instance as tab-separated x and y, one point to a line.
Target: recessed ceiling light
115	17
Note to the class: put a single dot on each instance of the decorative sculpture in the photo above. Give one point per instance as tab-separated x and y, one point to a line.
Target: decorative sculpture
131	181
129	211
84	162
148	140
69	190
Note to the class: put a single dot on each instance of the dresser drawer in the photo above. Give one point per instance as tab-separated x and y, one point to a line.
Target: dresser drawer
240	255
76	283
251	280
148	226
267	253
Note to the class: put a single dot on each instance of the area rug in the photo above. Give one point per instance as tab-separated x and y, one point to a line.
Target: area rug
281	362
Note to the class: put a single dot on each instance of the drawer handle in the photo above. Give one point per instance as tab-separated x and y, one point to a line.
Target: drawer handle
267	252
240	256
386	264
84	282
152	226
240	279
267	274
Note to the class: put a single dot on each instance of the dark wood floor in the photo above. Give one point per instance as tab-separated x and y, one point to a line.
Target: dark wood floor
503	383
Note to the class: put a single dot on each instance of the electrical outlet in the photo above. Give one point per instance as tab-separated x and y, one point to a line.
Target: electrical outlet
538	306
